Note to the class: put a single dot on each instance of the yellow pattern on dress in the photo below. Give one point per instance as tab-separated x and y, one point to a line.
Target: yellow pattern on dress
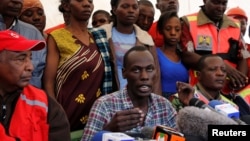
85	75
80	99
84	119
98	93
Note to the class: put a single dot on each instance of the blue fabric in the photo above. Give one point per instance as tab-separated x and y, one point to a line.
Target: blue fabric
171	72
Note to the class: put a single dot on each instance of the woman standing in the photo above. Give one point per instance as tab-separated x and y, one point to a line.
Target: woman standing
169	55
123	34
78	63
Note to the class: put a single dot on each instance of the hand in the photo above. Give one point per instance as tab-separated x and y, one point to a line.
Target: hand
125	120
185	92
237	79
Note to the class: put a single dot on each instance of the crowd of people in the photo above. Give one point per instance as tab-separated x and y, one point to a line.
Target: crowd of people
124	73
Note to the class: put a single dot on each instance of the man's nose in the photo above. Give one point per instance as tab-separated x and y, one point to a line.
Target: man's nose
29	65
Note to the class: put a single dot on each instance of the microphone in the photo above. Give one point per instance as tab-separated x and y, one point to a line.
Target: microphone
200	104
147	132
245	118
163	133
193	121
99	135
226	109
211	107
111	136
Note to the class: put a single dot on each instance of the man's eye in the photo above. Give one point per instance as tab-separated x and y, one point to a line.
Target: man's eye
150	69
136	70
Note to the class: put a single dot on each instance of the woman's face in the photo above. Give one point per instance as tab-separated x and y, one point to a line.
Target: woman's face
126	12
34	16
81	10
172	31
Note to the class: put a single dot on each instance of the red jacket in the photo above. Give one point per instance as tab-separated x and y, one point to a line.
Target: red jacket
29	120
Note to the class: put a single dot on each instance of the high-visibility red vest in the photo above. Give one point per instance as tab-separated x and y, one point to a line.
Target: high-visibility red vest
29	120
209	35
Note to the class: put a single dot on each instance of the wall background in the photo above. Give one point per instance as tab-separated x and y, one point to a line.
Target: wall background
54	17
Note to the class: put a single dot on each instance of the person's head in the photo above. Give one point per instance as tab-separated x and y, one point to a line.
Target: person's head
146	14
215	9
33	13
10	8
139	70
169	26
15	60
100	17
80	10
239	14
124	12
64	12
211	72
167	5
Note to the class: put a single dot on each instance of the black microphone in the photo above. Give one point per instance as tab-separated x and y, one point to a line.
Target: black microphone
200	104
245	118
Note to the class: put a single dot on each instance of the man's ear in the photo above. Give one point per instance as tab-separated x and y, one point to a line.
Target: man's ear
198	74
123	73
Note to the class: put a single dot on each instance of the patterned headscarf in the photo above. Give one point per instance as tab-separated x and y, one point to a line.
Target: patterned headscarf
30	4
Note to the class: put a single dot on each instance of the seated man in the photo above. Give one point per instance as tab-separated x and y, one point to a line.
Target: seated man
211	75
135	106
26	113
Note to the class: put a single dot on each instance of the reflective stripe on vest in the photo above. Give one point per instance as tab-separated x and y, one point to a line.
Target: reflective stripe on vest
34	102
29	119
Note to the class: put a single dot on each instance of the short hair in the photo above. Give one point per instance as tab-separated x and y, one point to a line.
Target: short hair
106	13
165	16
201	62
145	2
135	48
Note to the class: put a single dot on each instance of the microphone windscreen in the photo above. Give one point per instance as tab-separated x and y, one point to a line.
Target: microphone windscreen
148	132
98	136
193	121
213	103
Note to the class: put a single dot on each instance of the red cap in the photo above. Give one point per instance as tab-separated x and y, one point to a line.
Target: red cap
236	11
12	41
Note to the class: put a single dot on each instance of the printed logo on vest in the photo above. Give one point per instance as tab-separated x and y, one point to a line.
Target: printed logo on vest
204	43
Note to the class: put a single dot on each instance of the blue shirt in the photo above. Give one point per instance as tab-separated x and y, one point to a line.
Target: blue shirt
171	72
